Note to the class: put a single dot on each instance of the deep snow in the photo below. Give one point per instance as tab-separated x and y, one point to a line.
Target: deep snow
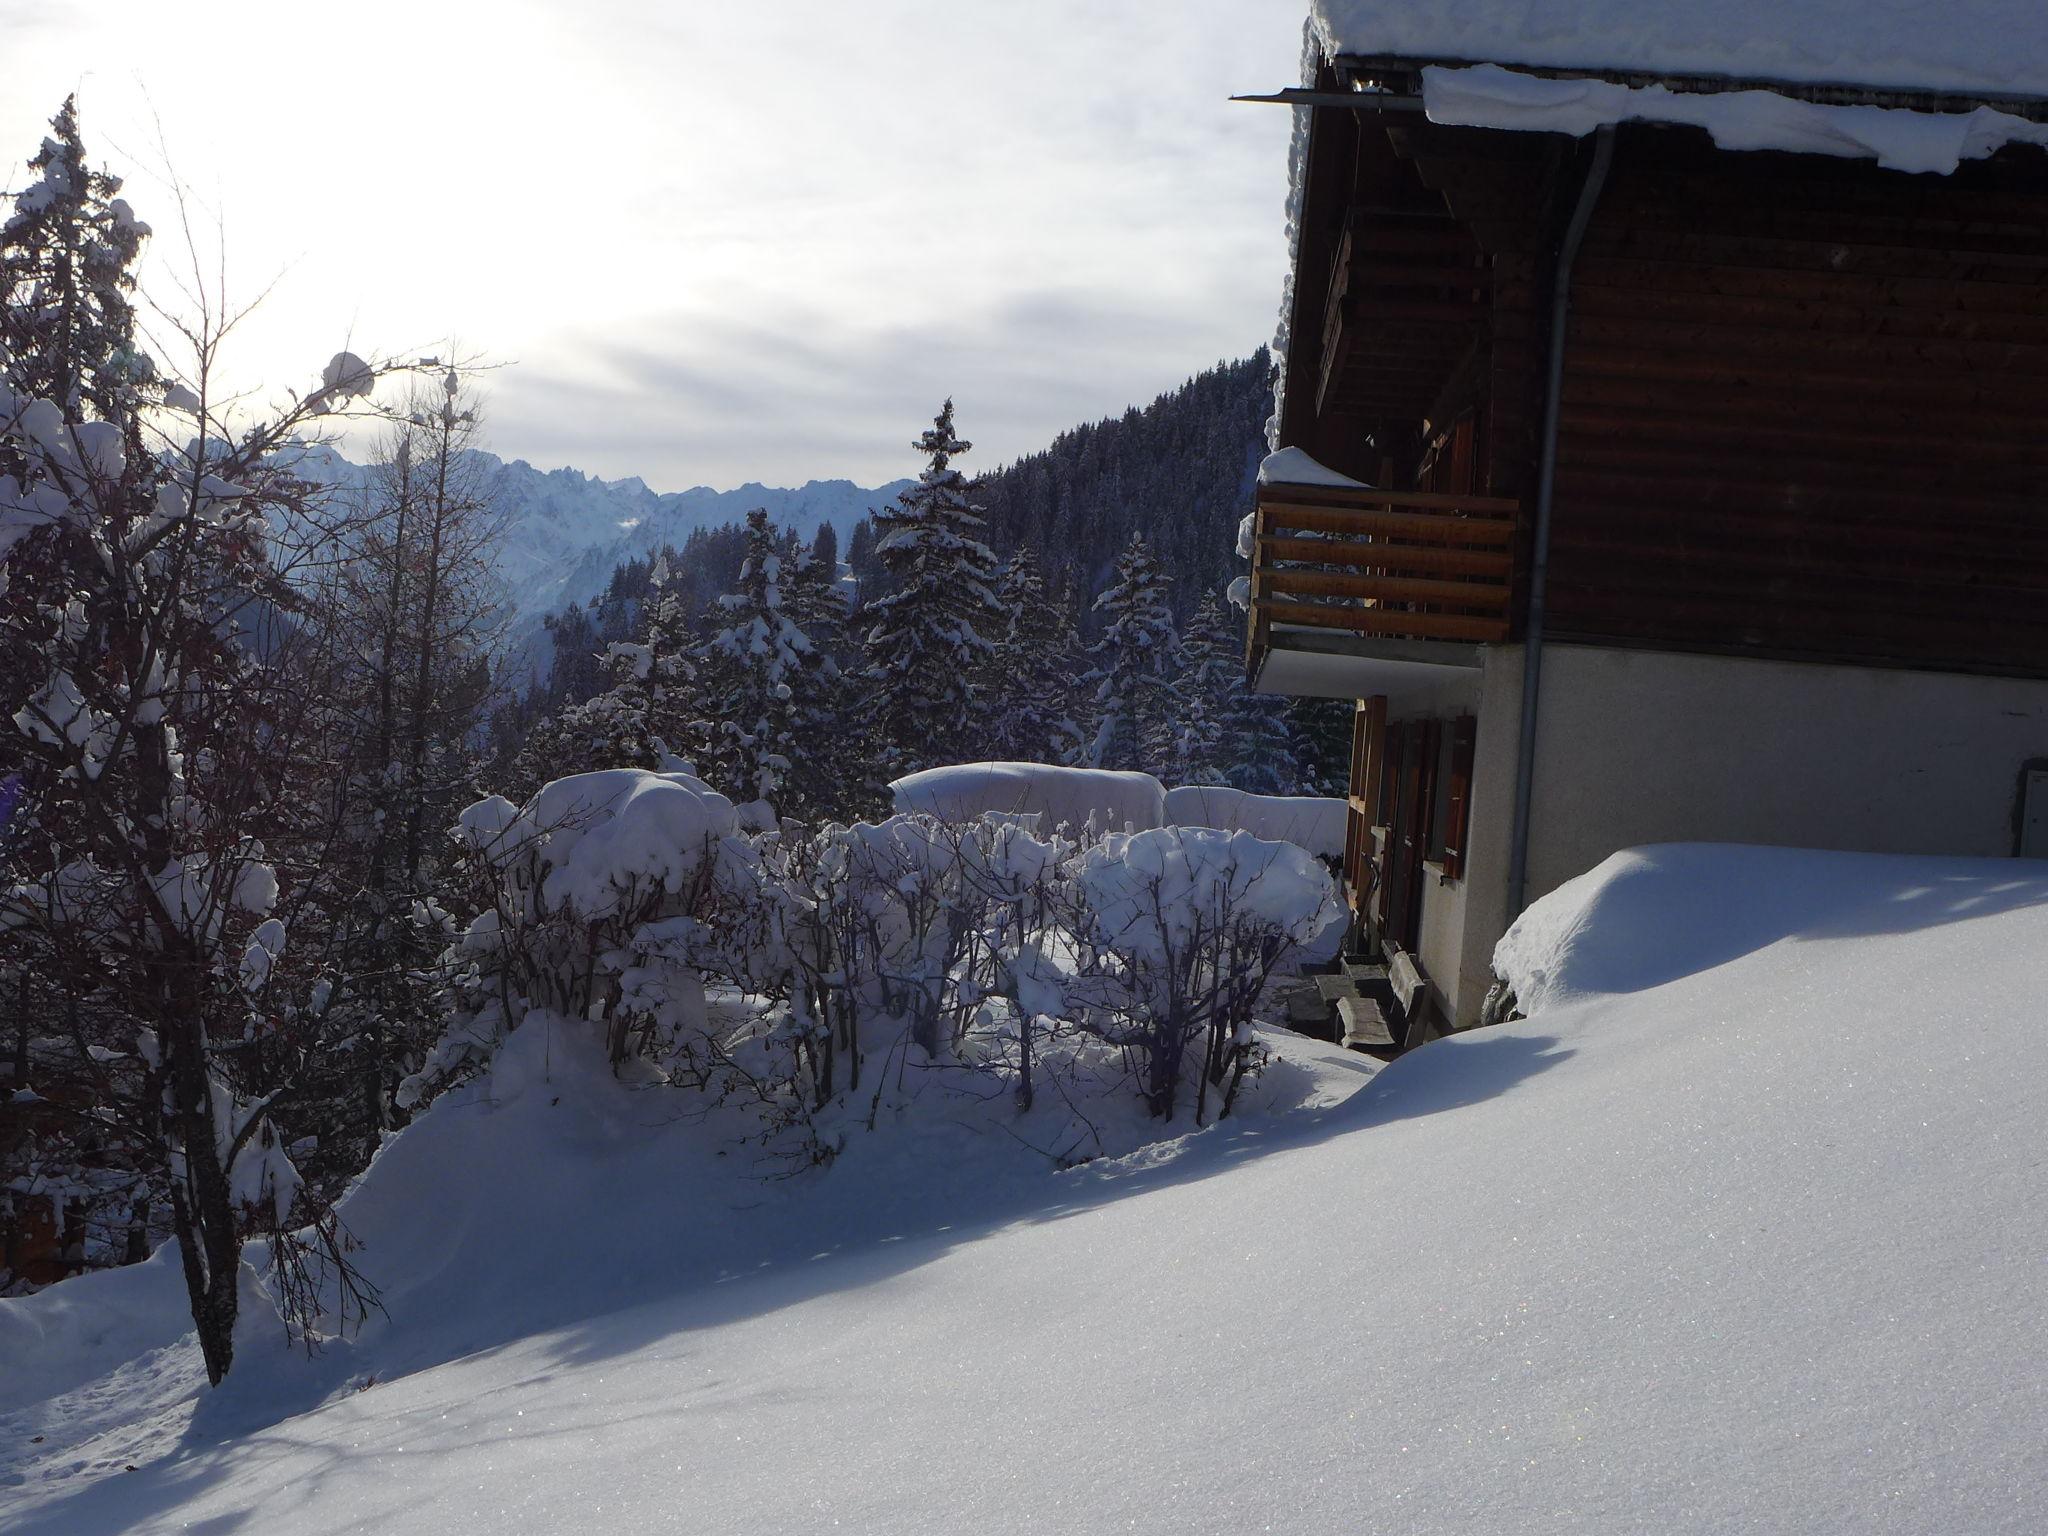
1742	1229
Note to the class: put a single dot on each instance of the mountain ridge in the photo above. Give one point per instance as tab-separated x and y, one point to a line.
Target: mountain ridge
566	530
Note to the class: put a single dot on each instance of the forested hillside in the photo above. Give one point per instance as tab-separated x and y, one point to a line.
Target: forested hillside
1178	471
1096	635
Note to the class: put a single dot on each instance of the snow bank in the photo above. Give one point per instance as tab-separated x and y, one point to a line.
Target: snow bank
1488	96
1059	797
1964	46
1307	821
1745	1236
1647	916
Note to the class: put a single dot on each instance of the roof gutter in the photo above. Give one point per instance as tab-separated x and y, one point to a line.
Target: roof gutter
1546	482
1371	102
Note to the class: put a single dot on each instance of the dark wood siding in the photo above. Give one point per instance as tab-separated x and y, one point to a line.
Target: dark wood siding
1805	410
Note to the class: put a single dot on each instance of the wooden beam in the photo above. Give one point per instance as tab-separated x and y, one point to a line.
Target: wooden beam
1389	622
1393	526
1387	589
1453	562
1292	494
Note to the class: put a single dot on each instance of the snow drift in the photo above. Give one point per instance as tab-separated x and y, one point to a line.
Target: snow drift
1307	821
1739	1230
1074	798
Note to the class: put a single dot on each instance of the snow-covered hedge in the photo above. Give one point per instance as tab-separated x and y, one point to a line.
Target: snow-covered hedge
1076	799
1307	821
984	950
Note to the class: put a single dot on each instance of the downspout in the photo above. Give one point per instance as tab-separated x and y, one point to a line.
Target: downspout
1546	480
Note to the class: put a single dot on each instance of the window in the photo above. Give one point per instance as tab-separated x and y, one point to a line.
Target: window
1451	815
2032	842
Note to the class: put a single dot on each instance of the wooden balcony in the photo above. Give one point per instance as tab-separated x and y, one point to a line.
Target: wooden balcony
1406	574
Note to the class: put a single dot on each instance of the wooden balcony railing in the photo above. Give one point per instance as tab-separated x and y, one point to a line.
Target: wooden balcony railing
1386	565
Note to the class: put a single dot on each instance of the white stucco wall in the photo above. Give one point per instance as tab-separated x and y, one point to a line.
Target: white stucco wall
1642	747
1462	919
1649	747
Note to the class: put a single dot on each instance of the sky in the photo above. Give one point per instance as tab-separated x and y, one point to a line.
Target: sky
709	243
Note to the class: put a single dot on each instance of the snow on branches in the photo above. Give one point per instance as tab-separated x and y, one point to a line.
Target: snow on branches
980	949
931	636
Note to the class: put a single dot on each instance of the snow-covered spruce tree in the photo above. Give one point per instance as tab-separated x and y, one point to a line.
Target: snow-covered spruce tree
1259	751
656	676
1321	730
1136	662
66	251
651	715
1030	676
758	672
833	777
154	740
931	636
1191	750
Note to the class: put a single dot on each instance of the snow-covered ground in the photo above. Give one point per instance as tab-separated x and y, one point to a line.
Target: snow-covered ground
1741	1230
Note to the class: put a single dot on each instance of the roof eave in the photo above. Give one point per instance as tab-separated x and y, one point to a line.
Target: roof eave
1402	75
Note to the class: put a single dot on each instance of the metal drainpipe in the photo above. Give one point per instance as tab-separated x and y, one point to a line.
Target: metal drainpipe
1539	563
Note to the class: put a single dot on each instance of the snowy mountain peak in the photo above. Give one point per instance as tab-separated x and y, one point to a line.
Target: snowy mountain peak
567	531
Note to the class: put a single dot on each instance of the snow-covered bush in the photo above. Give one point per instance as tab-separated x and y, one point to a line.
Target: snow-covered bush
1189	922
976	953
568	887
877	937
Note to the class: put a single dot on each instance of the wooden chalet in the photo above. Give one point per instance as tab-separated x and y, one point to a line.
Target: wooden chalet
1701	493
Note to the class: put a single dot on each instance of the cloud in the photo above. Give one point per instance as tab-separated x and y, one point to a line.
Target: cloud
725	243
822	396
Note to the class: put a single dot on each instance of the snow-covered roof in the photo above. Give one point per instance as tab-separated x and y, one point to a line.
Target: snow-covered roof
1961	47
1964	51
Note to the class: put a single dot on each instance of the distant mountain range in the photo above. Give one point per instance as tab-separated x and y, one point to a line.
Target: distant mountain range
566	532
1179	471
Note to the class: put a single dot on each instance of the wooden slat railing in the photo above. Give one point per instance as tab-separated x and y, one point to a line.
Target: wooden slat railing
1390	565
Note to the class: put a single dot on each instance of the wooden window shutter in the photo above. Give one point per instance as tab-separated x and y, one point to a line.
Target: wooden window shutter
1458	795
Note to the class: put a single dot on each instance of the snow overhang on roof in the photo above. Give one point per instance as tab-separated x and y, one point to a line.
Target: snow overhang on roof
1914	86
1917	85
1980	50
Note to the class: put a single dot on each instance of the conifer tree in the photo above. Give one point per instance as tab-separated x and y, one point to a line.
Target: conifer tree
1321	733
66	254
1192	749
650	717
1258	750
1029	681
1136	661
833	779
759	687
931	637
